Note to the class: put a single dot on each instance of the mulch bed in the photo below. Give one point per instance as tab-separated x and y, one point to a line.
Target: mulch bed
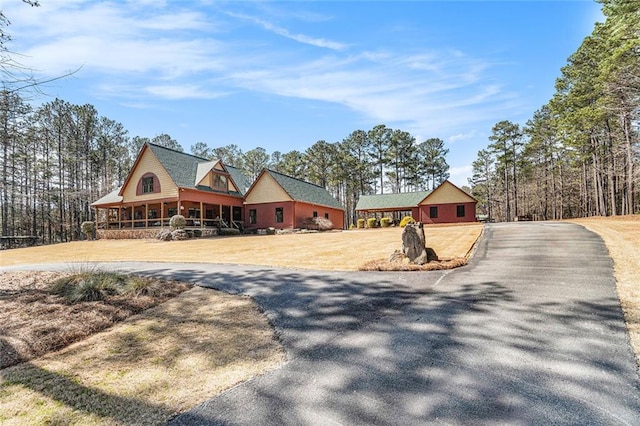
34	322
434	265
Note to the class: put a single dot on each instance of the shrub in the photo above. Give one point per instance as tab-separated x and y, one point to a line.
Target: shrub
361	223
352	227
271	231
317	224
164	235
139	286
228	231
88	228
197	233
386	222
372	222
406	220
87	286
177	222
179	235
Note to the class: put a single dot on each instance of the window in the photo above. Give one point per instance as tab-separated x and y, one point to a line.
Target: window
172	211
253	216
147	185
460	210
279	215
220	182
153	214
433	212
194	213
326	215
315	214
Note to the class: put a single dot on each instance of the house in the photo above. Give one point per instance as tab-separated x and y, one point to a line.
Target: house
445	204
281	201
164	182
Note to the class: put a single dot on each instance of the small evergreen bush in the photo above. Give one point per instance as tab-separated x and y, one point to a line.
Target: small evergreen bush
386	222
372	222
361	223
228	231
406	220
88	228
197	233
177	222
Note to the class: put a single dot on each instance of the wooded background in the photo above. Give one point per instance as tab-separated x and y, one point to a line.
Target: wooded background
577	156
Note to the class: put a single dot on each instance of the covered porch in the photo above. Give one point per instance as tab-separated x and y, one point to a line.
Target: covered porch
157	214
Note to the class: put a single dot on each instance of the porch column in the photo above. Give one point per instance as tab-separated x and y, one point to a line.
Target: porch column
146	215
162	215
201	214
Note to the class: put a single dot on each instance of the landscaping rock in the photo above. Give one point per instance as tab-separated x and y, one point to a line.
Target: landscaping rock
413	243
179	235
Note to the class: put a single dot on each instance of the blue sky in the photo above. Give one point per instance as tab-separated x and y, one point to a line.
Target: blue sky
283	75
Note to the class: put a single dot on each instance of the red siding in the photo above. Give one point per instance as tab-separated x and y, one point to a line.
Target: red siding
294	214
447	213
266	215
304	210
209	197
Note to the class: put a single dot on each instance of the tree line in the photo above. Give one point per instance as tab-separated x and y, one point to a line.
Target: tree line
578	155
58	158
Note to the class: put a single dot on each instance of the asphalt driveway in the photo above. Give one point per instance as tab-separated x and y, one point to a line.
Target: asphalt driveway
530	332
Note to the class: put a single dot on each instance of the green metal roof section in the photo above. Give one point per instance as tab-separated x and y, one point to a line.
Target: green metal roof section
183	168
307	192
391	201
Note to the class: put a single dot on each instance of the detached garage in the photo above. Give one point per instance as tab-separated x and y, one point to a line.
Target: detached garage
445	204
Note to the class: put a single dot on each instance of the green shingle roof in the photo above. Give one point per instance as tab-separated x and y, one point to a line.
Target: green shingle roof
307	192
183	168
391	201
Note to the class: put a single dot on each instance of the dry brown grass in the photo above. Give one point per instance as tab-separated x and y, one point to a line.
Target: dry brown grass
34	322
621	235
146	369
342	251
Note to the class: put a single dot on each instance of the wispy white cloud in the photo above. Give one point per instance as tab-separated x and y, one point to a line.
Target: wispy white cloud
165	51
462	136
301	38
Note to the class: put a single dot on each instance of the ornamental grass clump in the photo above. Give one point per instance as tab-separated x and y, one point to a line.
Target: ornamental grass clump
361	223
88	286
95	285
372	222
140	286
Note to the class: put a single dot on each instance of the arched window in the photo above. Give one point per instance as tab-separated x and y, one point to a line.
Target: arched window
148	184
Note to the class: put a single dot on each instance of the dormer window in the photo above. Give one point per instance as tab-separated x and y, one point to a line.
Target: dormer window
220	182
147	185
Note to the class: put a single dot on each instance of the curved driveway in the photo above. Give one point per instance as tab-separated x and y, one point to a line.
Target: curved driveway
530	332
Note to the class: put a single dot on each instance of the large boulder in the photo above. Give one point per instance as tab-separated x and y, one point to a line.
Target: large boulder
413	243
